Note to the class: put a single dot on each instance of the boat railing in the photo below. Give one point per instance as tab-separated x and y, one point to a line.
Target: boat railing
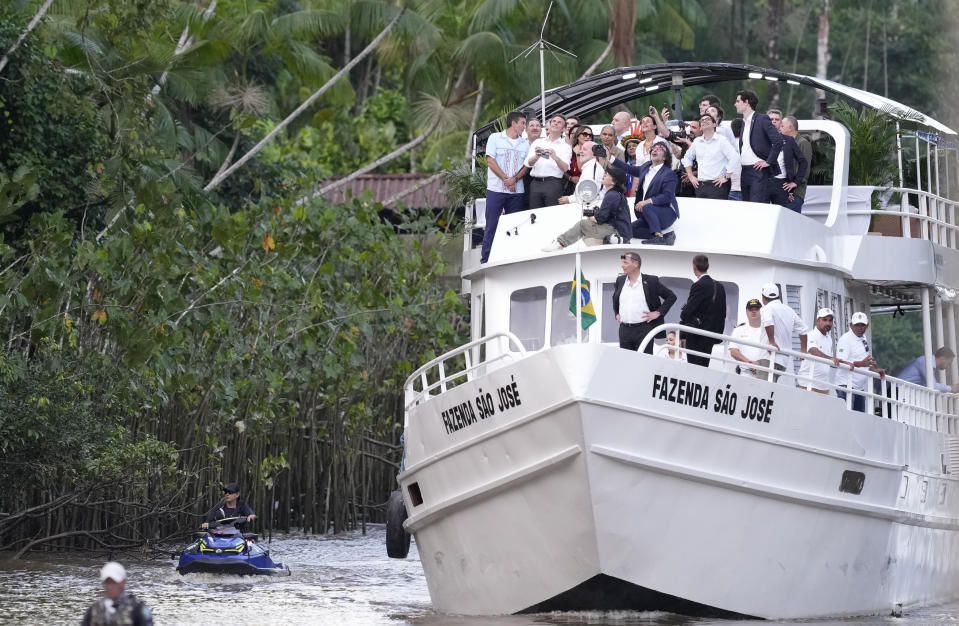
894	398
936	217
458	365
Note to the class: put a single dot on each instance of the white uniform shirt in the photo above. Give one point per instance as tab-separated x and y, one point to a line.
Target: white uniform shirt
785	322
820	373
546	166
632	302
852	348
745	332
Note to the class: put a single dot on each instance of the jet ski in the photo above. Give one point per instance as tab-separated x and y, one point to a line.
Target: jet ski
224	549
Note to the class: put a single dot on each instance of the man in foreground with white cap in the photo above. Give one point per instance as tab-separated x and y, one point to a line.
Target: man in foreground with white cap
750	330
780	322
118	607
813	375
853	348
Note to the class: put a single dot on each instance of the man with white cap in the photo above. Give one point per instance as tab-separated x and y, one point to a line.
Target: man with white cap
853	348
118	607
780	322
813	375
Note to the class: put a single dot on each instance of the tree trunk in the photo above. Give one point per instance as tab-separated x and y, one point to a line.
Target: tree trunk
33	24
592	68
477	110
622	27
865	61
774	25
822	54
307	104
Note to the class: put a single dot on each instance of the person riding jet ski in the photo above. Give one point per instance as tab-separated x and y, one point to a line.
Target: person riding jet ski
230	506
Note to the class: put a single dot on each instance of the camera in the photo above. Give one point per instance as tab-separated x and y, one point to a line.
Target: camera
542	152
589	212
599	151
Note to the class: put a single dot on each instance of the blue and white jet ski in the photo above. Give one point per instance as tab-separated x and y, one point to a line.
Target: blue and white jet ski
225	550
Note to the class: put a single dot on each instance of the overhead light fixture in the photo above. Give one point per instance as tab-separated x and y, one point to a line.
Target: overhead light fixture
629	76
790	81
772	78
652	88
643	81
755	75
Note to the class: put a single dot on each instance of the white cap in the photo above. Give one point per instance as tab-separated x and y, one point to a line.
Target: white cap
824	312
770	290
113	571
859	318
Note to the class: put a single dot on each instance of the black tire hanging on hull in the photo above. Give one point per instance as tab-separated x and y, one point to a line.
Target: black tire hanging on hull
397	539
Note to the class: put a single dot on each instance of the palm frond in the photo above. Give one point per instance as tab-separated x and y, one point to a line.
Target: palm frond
308	24
491	13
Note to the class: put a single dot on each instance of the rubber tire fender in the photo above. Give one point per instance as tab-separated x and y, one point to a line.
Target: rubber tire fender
397	539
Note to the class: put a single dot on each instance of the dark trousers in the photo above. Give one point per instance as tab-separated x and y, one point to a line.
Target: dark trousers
776	193
545	192
796	204
755	187
707	189
631	335
653	219
699	344
496	204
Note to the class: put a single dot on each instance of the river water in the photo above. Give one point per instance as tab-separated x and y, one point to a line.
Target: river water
342	580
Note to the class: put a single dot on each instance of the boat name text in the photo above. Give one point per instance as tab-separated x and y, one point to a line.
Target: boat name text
725	400
465	414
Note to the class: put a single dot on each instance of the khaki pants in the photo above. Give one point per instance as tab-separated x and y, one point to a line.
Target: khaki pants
586	228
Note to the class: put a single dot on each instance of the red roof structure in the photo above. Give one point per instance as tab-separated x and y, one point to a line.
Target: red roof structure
384	187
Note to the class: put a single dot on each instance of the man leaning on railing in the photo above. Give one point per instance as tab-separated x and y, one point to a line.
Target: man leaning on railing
915	372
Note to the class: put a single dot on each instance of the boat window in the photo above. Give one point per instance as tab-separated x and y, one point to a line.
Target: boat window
839	317
793	293
562	323
527	316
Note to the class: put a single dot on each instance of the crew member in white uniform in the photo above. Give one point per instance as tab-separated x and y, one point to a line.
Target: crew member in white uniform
853	348
813	375
752	330
780	323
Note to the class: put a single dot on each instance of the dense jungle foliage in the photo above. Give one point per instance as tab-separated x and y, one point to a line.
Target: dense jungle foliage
181	306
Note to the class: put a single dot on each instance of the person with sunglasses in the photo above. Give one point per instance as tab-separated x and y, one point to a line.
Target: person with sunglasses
580	137
230	506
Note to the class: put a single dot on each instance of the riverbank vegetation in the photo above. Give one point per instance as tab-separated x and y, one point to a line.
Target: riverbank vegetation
180	305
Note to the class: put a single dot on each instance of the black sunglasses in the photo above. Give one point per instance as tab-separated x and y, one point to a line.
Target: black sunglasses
587	133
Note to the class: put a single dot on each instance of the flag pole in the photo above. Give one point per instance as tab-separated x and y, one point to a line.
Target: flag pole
578	289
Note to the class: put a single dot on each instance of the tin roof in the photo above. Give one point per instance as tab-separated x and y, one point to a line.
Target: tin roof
384	187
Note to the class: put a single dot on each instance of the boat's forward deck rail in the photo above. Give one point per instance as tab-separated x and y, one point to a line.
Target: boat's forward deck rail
456	366
893	398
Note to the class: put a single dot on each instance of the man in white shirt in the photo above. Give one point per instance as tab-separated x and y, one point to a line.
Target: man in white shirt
853	348
780	322
640	303
716	160
504	175
549	159
752	330
813	375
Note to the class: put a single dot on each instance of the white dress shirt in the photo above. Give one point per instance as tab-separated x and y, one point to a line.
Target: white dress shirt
650	175
749	157
632	302
545	167
715	156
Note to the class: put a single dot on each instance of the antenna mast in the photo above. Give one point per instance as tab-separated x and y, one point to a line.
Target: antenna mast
542	45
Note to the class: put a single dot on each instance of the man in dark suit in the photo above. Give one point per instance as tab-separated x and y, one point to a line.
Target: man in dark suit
640	302
793	168
759	148
656	208
705	309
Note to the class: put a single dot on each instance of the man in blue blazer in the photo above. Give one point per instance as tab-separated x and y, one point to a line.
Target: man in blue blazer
759	148
657	210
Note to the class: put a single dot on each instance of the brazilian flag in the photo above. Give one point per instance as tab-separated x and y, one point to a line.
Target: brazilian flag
588	312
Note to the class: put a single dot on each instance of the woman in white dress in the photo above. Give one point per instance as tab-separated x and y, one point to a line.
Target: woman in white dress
668	350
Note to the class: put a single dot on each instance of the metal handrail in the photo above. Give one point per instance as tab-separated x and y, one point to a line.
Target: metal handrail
445	381
903	401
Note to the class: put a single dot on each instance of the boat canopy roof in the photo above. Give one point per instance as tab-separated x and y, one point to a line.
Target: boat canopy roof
623	84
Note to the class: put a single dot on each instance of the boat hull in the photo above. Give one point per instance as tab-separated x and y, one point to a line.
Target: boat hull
600	478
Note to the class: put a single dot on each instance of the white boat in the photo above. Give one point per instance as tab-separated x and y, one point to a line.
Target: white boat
548	469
